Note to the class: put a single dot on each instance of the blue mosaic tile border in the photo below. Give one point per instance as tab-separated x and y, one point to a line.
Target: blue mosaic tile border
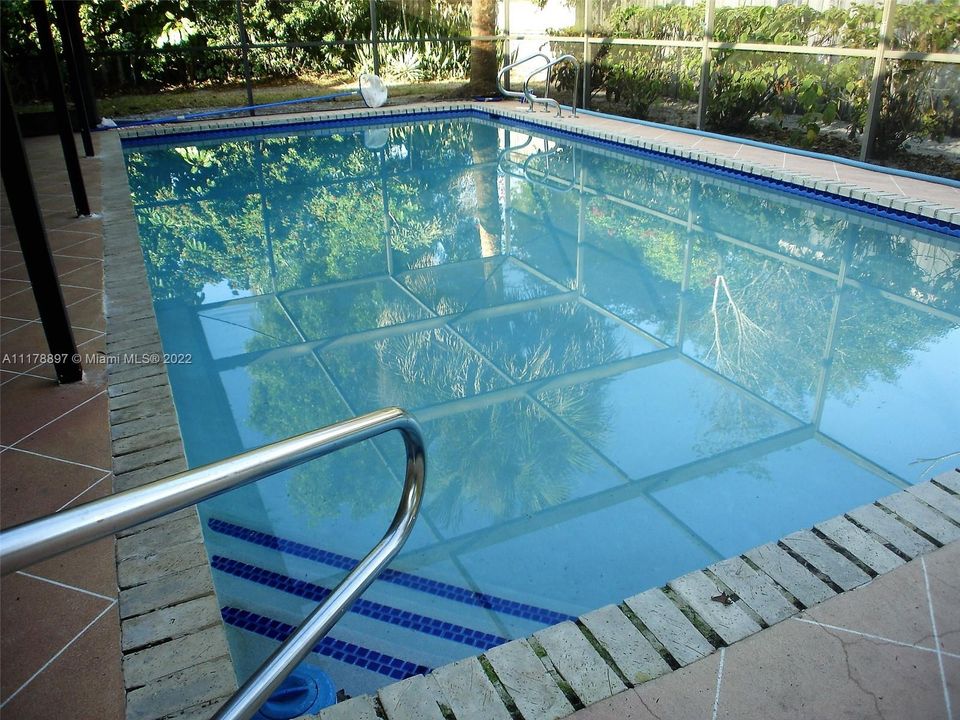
282	128
885	213
366	608
331	647
397	577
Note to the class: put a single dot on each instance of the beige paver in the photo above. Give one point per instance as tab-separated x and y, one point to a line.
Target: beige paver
670	626
950	480
359	708
525	678
411	699
757	590
831	563
153	663
727	619
789	574
860	545
468	692
921	516
637	659
887	526
937	498
579	663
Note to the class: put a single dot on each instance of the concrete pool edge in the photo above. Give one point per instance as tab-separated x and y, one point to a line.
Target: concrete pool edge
573	665
176	660
188	665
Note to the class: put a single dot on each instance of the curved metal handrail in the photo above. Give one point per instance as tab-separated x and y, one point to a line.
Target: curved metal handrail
506	68
31	542
549	101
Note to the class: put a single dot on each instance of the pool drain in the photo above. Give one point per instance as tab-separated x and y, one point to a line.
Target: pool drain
306	690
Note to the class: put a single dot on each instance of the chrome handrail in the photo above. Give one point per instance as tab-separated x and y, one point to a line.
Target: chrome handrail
549	101
506	68
37	540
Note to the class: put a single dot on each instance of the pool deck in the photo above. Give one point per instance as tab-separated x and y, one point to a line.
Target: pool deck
891	649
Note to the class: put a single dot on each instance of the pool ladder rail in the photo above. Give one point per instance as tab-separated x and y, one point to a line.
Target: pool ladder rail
527	95
40	539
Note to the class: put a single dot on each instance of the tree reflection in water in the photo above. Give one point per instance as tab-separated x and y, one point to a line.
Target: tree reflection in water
421	276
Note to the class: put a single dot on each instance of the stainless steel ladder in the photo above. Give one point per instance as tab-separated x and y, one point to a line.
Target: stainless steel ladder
549	101
40	539
506	68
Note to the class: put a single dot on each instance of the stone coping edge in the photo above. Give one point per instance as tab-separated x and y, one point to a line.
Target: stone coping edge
175	657
569	666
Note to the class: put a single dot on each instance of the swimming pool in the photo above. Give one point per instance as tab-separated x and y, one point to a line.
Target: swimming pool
626	369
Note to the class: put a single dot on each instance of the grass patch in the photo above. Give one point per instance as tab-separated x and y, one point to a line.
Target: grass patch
184	100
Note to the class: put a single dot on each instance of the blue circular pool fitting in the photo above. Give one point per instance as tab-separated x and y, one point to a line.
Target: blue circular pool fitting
306	690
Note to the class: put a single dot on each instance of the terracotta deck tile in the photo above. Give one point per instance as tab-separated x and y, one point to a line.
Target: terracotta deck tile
66	264
88	313
46	402
952	672
61	239
38	620
61	219
21	306
83	682
79	437
91	247
29	338
10	258
770	158
8	324
33	485
719	147
85	224
90	276
91	567
12	287
14	272
680	695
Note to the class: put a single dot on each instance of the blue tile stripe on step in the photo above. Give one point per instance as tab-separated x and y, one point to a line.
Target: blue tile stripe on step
366	608
397	577
331	647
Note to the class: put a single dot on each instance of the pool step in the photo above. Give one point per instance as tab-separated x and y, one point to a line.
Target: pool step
436	588
350	653
367	608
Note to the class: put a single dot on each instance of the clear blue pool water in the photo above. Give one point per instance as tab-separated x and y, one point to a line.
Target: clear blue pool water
625	370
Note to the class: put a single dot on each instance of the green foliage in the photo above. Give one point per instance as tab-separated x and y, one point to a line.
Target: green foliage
917	100
740	95
172	43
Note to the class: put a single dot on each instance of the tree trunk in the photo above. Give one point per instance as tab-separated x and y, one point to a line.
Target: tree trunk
483	53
